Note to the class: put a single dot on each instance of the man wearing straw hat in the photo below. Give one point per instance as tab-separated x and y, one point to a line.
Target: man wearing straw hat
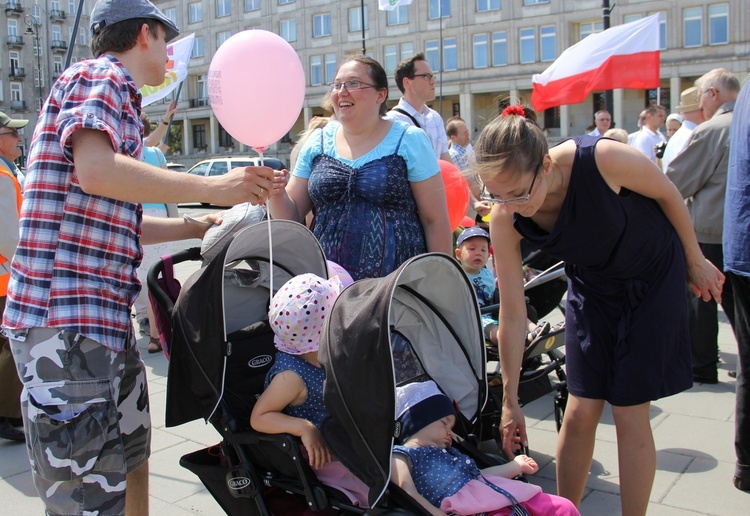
692	115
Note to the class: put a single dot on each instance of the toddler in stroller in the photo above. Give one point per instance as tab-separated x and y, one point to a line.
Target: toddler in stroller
443	479
292	401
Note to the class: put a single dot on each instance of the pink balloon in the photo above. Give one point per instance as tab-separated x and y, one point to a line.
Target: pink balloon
256	86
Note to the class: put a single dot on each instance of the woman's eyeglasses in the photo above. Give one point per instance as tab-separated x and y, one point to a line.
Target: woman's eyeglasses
13	133
351	85
488	197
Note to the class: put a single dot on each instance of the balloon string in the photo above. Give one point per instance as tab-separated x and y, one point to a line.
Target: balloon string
270	241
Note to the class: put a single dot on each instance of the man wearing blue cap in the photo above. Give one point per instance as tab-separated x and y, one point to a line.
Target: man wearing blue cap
73	277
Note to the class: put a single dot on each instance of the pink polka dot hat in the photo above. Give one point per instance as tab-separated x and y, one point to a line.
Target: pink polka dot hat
299	310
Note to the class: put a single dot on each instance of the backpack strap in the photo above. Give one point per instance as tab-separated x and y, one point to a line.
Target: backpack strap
404	112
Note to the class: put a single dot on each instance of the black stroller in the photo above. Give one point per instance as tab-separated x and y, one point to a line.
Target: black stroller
420	322
221	350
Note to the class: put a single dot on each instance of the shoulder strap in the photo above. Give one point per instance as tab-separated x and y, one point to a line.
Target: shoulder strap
404	112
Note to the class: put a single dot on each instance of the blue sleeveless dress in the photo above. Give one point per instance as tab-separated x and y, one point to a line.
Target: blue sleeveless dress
313	409
627	338
365	218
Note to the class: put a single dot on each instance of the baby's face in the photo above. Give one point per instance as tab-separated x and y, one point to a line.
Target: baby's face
473	254
438	433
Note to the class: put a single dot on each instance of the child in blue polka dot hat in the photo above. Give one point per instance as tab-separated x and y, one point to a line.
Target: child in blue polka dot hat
444	480
292	401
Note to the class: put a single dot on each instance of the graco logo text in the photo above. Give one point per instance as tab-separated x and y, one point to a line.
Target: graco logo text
260	361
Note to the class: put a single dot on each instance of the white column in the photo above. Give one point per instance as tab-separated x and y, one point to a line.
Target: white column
618	96
307	114
187	137
466	100
213	135
564	121
675	89
514	96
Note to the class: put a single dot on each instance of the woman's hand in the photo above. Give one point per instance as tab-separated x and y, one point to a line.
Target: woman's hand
527	464
482	208
513	428
705	280
318	452
280	180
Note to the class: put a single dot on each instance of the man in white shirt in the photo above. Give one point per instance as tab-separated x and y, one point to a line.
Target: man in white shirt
641	120
649	136
603	121
416	82
692	115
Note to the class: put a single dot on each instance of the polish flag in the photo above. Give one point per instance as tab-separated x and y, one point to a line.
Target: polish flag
624	56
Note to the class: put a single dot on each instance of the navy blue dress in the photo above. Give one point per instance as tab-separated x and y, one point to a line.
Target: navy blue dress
313	409
627	338
365	219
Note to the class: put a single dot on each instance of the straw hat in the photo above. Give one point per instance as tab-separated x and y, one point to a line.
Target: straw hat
689	101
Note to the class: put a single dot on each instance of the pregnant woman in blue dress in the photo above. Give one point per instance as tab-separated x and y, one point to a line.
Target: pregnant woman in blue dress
373	185
629	247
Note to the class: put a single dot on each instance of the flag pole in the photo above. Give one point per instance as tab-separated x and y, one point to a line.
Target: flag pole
362	14
608	99
440	57
69	53
165	140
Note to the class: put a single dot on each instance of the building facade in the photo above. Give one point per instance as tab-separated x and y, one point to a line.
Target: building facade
484	53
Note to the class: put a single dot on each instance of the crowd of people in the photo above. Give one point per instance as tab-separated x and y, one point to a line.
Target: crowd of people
367	182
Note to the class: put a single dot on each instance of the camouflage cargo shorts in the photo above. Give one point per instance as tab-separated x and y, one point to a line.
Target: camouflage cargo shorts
86	417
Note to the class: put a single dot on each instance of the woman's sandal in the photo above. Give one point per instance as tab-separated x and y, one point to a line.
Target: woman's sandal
154	345
537	333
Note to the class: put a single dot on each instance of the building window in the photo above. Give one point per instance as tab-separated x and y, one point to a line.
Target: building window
527	45
548	43
223	8
195	12
481	51
82	37
552	118
390	59
330	68
36	15
252	5
718	24
631	18
284	2
398	16
16	92
201	87
37	47
57	65
407	50
488	5
535	2
72	6
588	28
662	30
199	136
14	59
56	33
38	78
288	30
197	47
316	71
221	37
432	54
693	27
450	54
12	27
321	25
355	19
171	13
225	139
439	9
54	5
499	48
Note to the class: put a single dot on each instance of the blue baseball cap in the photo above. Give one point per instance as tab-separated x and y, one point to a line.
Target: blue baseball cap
109	12
474	231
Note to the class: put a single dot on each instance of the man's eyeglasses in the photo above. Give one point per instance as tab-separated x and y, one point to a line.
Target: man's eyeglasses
351	85
485	196
13	133
428	76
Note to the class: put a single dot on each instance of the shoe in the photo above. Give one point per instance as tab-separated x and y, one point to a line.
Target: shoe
154	345
705	379
10	432
145	326
537	333
732	373
742	485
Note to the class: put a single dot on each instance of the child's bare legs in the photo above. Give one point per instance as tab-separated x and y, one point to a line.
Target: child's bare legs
575	446
637	457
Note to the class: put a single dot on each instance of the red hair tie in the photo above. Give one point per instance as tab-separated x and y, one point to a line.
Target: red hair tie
514	110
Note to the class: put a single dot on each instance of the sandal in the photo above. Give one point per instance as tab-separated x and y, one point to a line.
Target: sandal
154	345
537	333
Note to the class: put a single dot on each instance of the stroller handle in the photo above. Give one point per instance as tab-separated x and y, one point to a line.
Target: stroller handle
161	297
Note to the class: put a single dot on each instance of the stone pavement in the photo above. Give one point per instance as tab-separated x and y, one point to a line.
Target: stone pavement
694	434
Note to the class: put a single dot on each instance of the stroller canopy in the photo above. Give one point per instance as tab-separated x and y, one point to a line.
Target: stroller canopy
420	321
230	293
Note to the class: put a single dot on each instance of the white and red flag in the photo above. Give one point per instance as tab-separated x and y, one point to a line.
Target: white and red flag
389	5
178	57
624	56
